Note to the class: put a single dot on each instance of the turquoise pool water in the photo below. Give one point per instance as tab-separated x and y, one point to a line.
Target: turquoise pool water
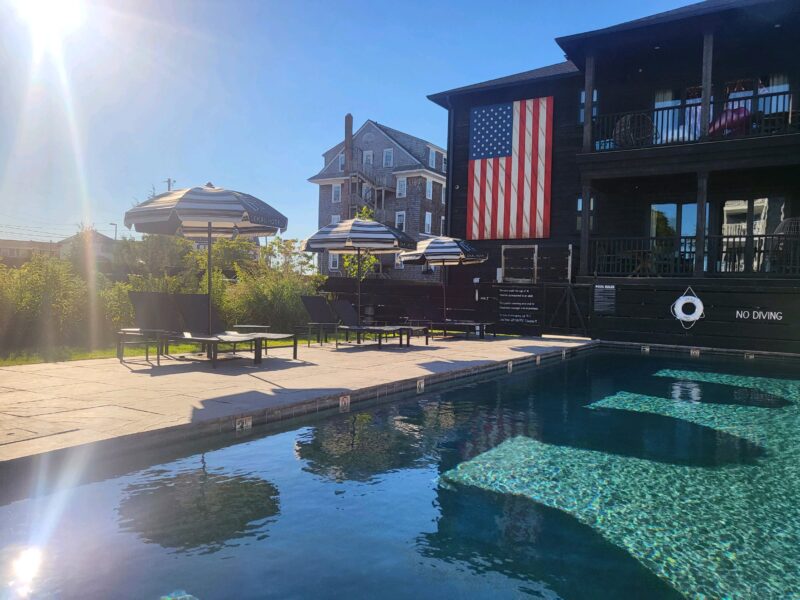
606	476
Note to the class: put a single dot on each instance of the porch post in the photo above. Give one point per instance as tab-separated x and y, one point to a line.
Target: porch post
586	203
748	241
588	91
705	103
700	228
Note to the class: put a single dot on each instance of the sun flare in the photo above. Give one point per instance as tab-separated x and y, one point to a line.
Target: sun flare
50	21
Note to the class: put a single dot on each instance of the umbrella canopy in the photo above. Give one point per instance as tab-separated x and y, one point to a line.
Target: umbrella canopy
206	211
189	211
444	252
355	235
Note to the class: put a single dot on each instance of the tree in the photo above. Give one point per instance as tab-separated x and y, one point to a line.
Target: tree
369	262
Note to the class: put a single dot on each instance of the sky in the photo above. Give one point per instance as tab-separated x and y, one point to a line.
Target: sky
244	94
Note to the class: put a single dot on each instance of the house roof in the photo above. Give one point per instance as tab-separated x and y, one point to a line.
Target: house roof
400	138
96	235
572	44
562	69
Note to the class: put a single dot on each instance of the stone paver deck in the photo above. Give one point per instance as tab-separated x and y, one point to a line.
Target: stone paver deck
52	406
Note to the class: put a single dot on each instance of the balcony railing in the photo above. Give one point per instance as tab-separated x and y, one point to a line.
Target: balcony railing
743	114
725	255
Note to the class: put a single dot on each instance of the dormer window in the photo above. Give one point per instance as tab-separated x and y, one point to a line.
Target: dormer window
388	157
432	158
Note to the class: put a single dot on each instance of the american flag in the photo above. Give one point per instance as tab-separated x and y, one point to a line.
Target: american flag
508	196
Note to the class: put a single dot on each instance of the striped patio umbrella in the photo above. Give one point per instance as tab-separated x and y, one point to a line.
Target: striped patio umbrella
206	211
443	252
357	236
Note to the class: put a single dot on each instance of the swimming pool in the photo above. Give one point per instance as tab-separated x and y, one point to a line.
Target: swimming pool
607	475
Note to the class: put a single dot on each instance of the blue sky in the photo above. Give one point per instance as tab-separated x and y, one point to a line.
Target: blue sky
246	94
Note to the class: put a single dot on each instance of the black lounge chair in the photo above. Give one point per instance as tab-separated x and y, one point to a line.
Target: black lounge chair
162	318
349	322
193	309
321	317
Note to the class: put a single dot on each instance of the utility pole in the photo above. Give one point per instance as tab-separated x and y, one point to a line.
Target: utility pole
115	230
170	182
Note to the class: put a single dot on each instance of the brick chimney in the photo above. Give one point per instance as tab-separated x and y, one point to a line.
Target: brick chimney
348	143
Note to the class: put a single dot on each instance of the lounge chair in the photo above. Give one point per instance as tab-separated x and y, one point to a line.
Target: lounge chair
348	318
193	309
321	317
164	318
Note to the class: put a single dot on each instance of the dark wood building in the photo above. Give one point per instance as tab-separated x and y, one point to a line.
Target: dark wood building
675	172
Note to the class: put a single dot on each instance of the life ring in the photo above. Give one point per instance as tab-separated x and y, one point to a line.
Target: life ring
688	317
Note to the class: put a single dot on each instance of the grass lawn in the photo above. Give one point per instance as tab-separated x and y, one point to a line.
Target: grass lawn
72	353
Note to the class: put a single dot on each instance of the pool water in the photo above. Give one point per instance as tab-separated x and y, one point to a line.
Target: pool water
609	475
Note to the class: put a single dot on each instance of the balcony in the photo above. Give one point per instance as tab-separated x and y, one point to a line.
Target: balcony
775	255
742	115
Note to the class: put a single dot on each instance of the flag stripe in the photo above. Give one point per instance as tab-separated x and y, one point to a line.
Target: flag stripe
482	200
548	166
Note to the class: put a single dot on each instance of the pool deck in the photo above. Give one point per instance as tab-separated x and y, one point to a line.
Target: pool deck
55	406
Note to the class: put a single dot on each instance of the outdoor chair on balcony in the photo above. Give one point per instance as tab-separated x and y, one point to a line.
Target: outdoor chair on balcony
634	131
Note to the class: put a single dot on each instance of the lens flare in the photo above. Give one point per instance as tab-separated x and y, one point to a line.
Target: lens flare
24	570
50	21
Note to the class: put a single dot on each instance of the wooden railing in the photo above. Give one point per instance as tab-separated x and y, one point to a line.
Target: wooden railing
642	256
725	255
743	114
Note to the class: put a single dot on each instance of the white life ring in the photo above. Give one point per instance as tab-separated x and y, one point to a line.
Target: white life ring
688	317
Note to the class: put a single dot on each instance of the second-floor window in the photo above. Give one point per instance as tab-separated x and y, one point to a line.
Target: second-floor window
336	192
444	164
388	157
432	158
441	226
367	157
582	109
428	222
335	219
429	189
333	262
341	162
402	184
443	195
400	220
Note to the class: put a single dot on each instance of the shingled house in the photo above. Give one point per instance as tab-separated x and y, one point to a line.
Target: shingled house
399	176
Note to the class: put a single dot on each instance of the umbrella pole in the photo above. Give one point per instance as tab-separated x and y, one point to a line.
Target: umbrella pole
208	274
358	284
444	293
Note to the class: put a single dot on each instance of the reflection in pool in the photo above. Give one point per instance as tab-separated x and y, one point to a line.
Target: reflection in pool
554	482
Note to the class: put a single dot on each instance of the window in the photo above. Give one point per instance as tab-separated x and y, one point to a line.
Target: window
583	105
443	195
444	164
432	158
441	226
336	192
579	220
335	219
333	262
367	157
400	220
401	187
429	189
398	264
663	220
341	162
428	221
388	157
